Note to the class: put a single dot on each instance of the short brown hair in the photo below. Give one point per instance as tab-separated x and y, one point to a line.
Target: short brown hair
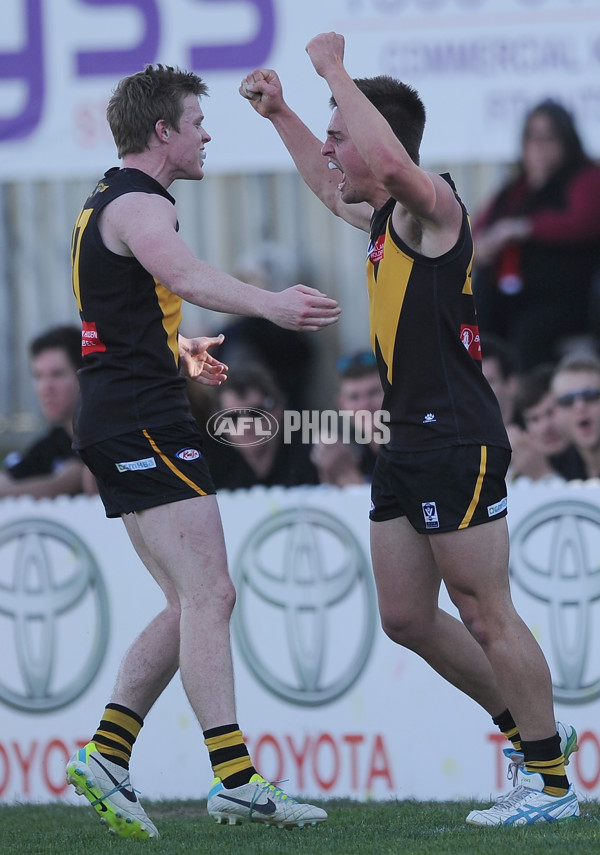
141	100
400	105
66	338
578	361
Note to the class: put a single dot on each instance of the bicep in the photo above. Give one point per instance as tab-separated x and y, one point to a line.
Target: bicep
437	210
427	196
148	228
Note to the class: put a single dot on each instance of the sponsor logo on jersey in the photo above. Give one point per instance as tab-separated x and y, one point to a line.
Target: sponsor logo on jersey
430	515
498	507
469	335
375	251
136	465
188	454
90	342
429	417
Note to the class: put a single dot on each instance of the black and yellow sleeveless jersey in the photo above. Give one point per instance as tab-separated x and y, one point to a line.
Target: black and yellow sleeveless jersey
425	337
130	376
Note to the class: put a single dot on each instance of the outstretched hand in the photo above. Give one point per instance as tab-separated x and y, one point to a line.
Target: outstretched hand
304	309
198	364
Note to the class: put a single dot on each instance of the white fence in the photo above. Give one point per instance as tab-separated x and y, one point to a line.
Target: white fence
327	702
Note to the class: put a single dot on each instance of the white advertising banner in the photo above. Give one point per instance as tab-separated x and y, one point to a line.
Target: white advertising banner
326	701
477	63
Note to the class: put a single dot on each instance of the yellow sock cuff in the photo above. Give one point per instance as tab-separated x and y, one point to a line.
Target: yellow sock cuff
556	766
553	772
231	767
117	733
224	740
124	721
513	736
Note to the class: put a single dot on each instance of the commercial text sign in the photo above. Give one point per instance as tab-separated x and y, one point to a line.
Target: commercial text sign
477	63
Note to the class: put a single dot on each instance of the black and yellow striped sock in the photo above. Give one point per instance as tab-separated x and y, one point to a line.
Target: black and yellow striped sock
545	756
507	725
228	755
116	734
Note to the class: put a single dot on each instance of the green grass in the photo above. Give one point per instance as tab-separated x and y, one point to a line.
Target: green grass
373	828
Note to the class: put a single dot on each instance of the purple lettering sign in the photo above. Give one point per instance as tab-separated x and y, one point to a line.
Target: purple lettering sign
124	61
26	65
246	55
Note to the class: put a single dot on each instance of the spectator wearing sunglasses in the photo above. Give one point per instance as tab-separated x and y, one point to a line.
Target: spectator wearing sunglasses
541	451
576	390
359	390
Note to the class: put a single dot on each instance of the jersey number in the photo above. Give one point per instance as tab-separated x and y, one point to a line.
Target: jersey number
78	231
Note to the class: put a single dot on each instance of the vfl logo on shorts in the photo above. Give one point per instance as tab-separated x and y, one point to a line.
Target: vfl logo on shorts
188	454
430	515
136	465
498	507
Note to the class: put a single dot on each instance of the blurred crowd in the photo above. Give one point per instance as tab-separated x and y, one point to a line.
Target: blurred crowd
551	413
536	280
536	275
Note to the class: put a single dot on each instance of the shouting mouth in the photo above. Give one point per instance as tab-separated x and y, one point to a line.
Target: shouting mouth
332	165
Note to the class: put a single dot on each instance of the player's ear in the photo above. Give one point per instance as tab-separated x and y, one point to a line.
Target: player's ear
162	130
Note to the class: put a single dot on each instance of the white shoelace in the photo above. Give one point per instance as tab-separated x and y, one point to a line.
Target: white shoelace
512	773
512	798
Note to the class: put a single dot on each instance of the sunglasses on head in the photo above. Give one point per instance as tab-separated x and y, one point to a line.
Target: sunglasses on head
366	357
569	398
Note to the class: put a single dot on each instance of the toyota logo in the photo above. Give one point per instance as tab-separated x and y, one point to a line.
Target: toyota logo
306	609
555	558
53	615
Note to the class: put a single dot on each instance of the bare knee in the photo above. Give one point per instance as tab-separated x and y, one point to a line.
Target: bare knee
405	629
225	598
483	623
473	621
218	599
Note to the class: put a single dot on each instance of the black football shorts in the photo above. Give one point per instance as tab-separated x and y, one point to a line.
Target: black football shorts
442	490
147	468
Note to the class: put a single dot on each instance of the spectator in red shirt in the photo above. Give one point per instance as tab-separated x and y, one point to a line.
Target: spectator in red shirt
537	243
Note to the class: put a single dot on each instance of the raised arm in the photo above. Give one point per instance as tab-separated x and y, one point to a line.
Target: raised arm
262	88
425	196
